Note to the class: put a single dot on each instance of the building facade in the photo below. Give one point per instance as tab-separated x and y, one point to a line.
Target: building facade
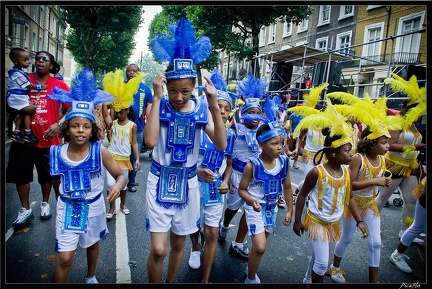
361	44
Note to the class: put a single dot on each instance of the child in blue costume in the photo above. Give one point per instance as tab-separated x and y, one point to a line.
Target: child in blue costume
265	178
214	172
174	126
81	164
245	145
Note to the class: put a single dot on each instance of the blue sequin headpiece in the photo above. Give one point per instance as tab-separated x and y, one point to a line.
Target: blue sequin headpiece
84	95
275	124
251	89
183	51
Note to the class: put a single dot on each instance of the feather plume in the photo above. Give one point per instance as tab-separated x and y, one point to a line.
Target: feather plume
253	117
410	87
251	87
83	88
113	83
181	44
414	114
270	109
344	97
311	98
218	80
303	110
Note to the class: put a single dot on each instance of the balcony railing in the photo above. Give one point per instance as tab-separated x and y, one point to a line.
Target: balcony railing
397	58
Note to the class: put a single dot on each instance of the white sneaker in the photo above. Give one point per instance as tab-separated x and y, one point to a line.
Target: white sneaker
45	211
24	216
337	276
195	259
257	280
306	281
416	240
91	280
398	260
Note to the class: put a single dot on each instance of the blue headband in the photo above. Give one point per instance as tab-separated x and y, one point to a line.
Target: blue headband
275	130
81	109
250	103
182	68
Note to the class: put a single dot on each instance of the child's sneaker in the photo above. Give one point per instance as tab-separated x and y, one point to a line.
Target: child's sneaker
222	232
91	280
45	211
15	136
336	275
29	137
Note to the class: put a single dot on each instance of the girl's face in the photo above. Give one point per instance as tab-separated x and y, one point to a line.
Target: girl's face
345	155
224	109
80	130
382	145
122	114
179	92
252	124
273	147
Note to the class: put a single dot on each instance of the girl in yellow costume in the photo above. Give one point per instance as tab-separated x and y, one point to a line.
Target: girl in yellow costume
405	146
329	188
368	171
313	136
123	134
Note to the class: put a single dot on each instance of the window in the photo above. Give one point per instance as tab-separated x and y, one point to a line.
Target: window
302	26
262	36
324	15
225	69
6	19
33	46
26	37
372	51
41	16
272	33
321	43
343	41
18	35
370	7
287	29
40	43
346	11
407	47
35	9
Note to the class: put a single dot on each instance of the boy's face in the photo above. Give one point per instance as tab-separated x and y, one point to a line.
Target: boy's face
22	60
131	70
273	147
224	107
179	92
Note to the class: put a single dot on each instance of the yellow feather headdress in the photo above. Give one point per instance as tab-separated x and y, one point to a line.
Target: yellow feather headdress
311	98
415	94
373	115
113	83
329	118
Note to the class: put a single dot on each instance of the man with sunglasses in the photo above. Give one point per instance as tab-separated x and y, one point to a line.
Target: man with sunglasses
46	121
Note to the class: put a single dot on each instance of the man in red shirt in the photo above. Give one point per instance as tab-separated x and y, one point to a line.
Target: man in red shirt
45	123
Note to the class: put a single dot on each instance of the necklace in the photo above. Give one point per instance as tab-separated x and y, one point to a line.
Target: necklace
335	174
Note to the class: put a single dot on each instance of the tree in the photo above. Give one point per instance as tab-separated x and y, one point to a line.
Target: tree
218	21
101	37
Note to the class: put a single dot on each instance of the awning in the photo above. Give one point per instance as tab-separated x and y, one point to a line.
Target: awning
295	56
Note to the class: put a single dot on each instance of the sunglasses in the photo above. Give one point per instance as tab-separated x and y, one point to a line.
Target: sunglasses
43	58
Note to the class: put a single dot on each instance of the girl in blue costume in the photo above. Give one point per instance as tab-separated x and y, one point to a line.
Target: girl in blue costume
265	178
80	208
174	126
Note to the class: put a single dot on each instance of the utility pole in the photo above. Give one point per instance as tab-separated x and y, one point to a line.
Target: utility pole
141	61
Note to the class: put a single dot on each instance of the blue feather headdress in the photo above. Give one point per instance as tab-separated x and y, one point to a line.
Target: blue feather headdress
182	51
276	129
222	92
84	95
251	89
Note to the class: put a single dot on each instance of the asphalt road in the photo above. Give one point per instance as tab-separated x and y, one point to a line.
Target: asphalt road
29	255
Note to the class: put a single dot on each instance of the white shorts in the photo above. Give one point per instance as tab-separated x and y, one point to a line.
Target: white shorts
18	102
111	181
182	221
256	218
212	215
68	241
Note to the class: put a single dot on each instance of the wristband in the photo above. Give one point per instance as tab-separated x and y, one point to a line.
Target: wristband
38	86
361	221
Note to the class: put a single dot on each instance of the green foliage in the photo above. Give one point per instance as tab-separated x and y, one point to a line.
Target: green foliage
101	37
150	67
